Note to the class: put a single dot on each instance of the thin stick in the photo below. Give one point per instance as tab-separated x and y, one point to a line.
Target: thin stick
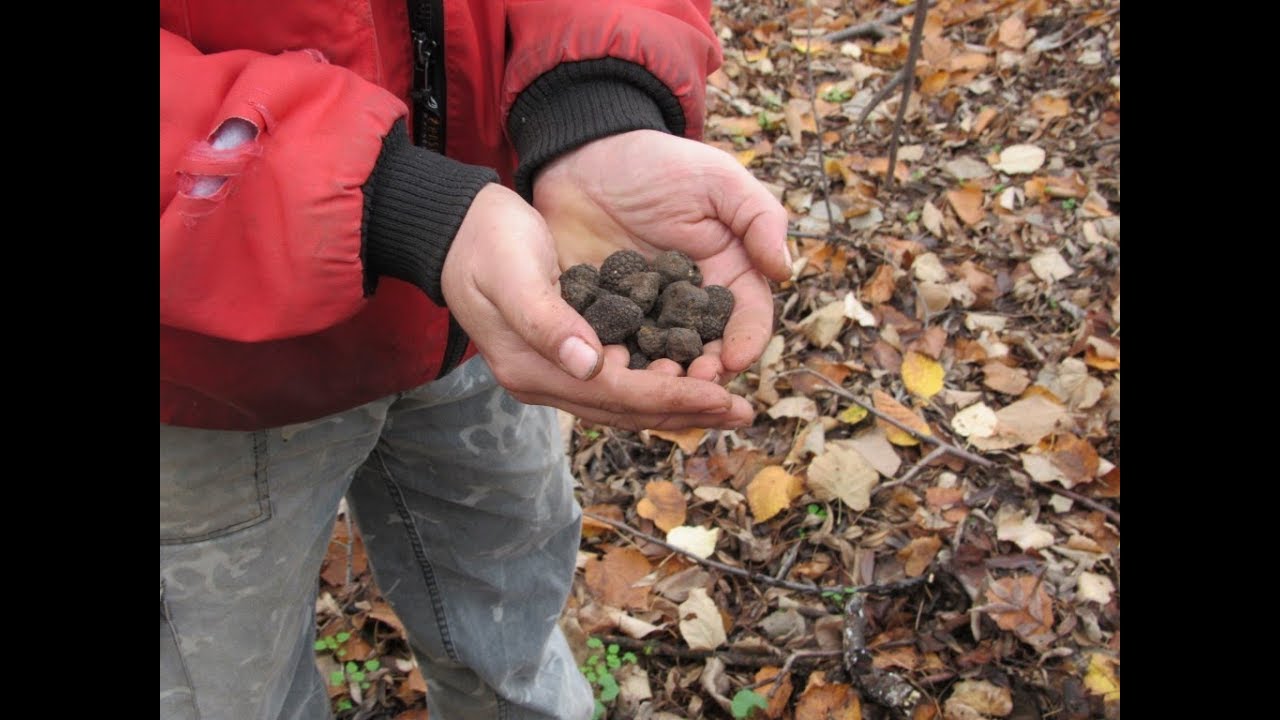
1084	500
666	650
817	122
870	28
936	453
878	98
958	452
908	83
786	668
758	577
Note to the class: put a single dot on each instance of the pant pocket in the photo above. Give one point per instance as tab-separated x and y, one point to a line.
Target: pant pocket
177	699
211	483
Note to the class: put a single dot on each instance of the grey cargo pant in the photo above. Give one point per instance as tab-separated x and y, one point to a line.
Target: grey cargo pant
464	500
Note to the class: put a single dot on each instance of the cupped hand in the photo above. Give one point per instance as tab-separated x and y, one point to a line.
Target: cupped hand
499	281
650	191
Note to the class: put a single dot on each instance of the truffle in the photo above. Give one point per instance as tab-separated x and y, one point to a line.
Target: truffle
683	345
638	361
719	306
642	288
579	295
619	265
675	266
581	273
614	318
652	340
682	304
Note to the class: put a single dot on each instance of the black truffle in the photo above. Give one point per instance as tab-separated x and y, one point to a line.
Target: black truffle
652	341
683	345
579	295
619	265
642	288
638	361
719	307
682	304
675	266
614	318
581	273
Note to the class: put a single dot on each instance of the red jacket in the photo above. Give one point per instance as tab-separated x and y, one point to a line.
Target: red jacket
268	315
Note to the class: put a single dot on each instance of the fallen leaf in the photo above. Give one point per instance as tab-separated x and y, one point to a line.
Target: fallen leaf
874	447
771	491
984	119
981	697
823	326
1002	378
743	126
1063	458
967	167
699	541
931	216
700	622
796	406
897	411
1013	525
663	503
1092	587
1020	159
856	312
1031	418
633	686
726	497
967	203
978	421
922	375
1049	266
778	693
879	288
799	116
853	415
972	61
832	701
594	528
984	321
841	472
928	268
1071	382
1101	678
1050	106
1101	355
687	440
612	580
918	554
1022	604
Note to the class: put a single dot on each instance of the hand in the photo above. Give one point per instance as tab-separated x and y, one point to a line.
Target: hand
499	280
650	191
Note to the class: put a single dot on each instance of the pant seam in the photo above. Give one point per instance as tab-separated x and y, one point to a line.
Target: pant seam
177	648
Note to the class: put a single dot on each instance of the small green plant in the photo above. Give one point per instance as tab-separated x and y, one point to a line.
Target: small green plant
591	434
995	190
1069	204
917	174
352	671
816	510
837	95
599	668
746	702
913	216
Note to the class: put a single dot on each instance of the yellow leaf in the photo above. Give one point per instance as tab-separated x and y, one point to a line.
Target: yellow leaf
922	375
746	156
663	503
852	415
896	410
771	491
1101	678
688	439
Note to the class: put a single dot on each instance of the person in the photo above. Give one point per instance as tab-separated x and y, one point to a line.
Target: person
353	303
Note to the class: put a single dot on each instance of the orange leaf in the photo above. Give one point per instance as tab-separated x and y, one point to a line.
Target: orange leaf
969	61
777	703
985	116
918	554
1023	605
1074	457
592	528
967	202
663	503
896	410
879	288
1049	107
836	701
612	579
771	491
1110	484
688	439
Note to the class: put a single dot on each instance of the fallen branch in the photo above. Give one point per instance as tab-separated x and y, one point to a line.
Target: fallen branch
878	98
1085	500
874	27
786	667
958	452
908	83
915	469
730	657
758	577
817	124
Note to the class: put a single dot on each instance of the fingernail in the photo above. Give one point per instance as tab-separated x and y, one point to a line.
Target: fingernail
579	358
786	255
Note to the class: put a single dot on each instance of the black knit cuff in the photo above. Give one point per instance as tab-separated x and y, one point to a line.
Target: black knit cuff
575	103
414	202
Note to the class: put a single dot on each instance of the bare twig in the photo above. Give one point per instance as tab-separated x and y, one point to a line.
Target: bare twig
758	577
878	98
817	121
958	452
729	657
936	453
1085	500
351	541
908	83
874	27
776	680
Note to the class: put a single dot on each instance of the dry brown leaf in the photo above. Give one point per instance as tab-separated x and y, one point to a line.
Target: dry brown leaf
874	447
687	440
744	126
879	289
922	375
1073	457
593	528
799	119
935	82
1013	525
381	611
1092	587
918	553
1002	378
1102	356
700	623
968	62
771	491
612	580
823	326
984	119
967	202
1013	33
1031	418
1020	159
796	406
834	701
896	410
781	691
981	697
841	472
975	421
663	503
1022	604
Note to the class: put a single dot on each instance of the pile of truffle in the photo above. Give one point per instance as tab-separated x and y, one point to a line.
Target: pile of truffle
658	310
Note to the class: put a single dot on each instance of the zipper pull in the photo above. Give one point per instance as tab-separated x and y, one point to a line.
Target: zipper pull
422	49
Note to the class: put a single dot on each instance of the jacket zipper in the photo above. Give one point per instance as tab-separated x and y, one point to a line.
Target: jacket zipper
426	22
